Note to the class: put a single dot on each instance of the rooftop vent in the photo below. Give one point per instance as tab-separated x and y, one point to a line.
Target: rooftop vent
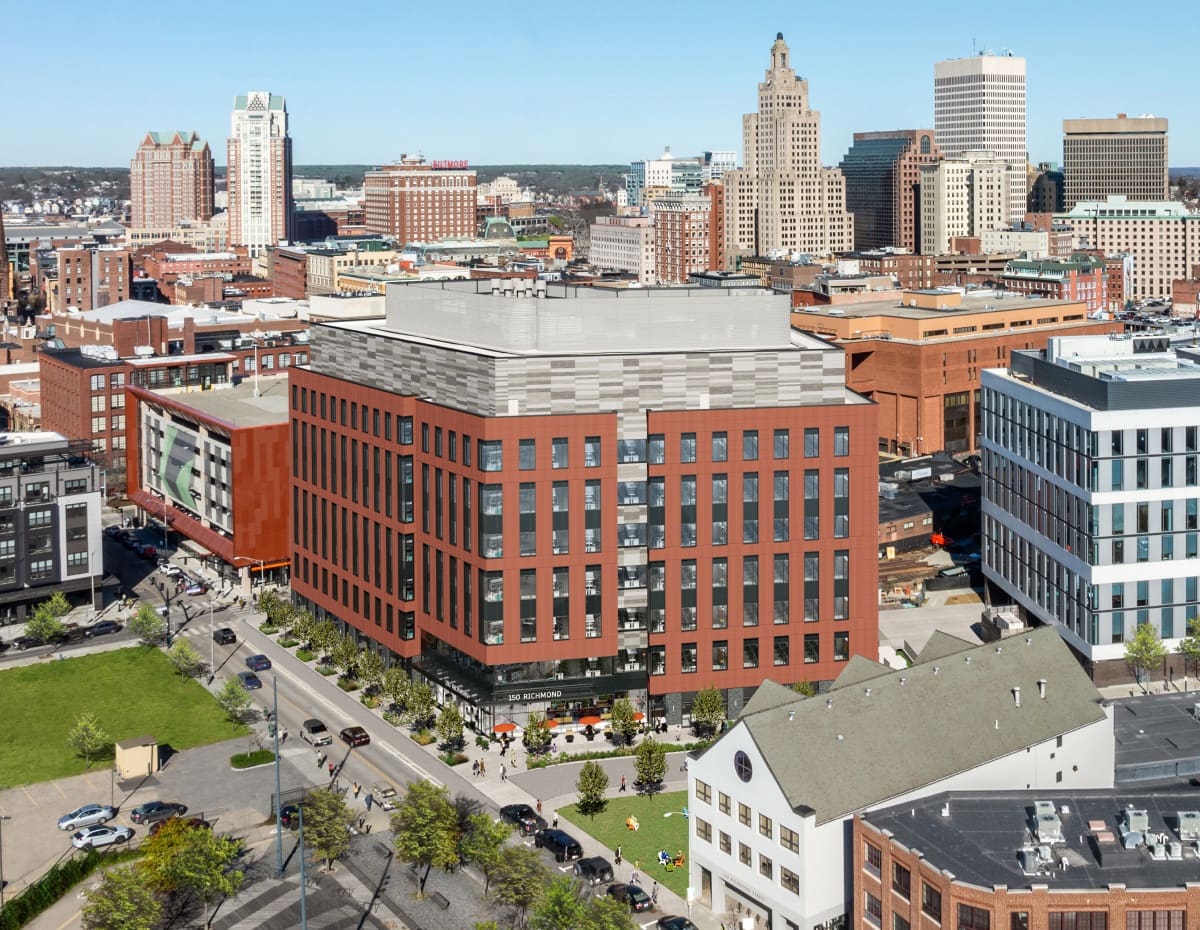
1048	826
1189	825
1137	820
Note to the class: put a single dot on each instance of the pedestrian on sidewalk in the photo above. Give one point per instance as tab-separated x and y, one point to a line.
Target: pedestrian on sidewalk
320	759
475	768
370	799
654	894
357	789
539	805
618	855
634	879
503	772
332	766
622	782
482	767
556	820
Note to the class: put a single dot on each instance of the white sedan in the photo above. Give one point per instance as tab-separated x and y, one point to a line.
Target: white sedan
100	836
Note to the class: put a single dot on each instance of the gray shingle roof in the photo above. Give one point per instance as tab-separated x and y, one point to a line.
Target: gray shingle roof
861	744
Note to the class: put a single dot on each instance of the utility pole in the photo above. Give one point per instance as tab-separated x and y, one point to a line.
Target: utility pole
278	822
212	643
303	882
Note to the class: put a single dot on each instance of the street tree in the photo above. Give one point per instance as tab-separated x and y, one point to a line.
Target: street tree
1144	652
804	688
395	684
56	605
650	767
537	734
561	905
708	712
450	726
327	818
606	913
623	721
325	636
418	705
345	656
521	880
234	700
150	628
201	867
370	669
303	624
271	604
1189	647
87	737
121	901
591	786
184	658
482	844
425	824
45	624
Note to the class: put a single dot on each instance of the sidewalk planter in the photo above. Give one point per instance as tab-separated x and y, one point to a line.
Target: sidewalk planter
570	737
251	760
304	655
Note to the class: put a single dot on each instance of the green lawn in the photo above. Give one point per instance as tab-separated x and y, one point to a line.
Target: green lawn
655	832
133	692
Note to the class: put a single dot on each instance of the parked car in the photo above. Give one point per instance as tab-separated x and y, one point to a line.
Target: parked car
100	836
156	810
149	553
86	816
632	895
195	589
523	817
250	681
171	571
28	642
315	732
595	870
192	823
224	636
103	628
385	795
355	736
562	844
675	922
258	663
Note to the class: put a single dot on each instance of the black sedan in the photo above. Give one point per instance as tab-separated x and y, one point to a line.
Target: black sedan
258	663
250	681
632	895
103	628
156	810
224	636
526	820
675	922
355	736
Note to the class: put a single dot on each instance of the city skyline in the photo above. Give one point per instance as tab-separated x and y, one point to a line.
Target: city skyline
620	102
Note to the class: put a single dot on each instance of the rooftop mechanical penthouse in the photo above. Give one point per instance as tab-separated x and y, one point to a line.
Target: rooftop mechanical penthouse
544	497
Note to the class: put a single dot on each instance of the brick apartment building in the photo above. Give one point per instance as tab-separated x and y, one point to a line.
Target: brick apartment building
1081	277
920	359
911	272
92	277
170	180
418	201
682	236
621	503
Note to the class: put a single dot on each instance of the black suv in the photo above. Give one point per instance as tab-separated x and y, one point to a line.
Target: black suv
595	870
563	845
523	817
224	636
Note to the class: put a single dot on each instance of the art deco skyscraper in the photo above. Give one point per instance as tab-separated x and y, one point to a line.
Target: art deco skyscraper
979	106
259	172
782	198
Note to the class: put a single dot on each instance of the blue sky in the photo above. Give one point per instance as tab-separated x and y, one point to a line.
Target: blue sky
556	83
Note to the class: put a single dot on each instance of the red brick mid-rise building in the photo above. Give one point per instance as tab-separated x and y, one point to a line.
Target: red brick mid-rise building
682	237
170	180
418	201
1081	277
92	277
616	500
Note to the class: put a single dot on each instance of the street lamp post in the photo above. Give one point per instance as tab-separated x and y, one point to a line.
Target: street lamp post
212	643
278	823
303	889
92	579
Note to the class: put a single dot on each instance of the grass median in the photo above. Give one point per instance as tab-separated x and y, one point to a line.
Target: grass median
132	692
661	825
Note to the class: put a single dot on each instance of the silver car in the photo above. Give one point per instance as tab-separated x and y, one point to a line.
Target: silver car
86	816
100	836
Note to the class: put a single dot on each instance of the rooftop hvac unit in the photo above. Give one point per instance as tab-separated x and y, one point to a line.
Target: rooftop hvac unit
1137	820
1028	858
1189	825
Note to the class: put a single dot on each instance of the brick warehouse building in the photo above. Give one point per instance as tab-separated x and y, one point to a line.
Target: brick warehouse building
658	499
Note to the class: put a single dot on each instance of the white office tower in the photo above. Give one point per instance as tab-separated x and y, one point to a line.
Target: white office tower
979	105
259	172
